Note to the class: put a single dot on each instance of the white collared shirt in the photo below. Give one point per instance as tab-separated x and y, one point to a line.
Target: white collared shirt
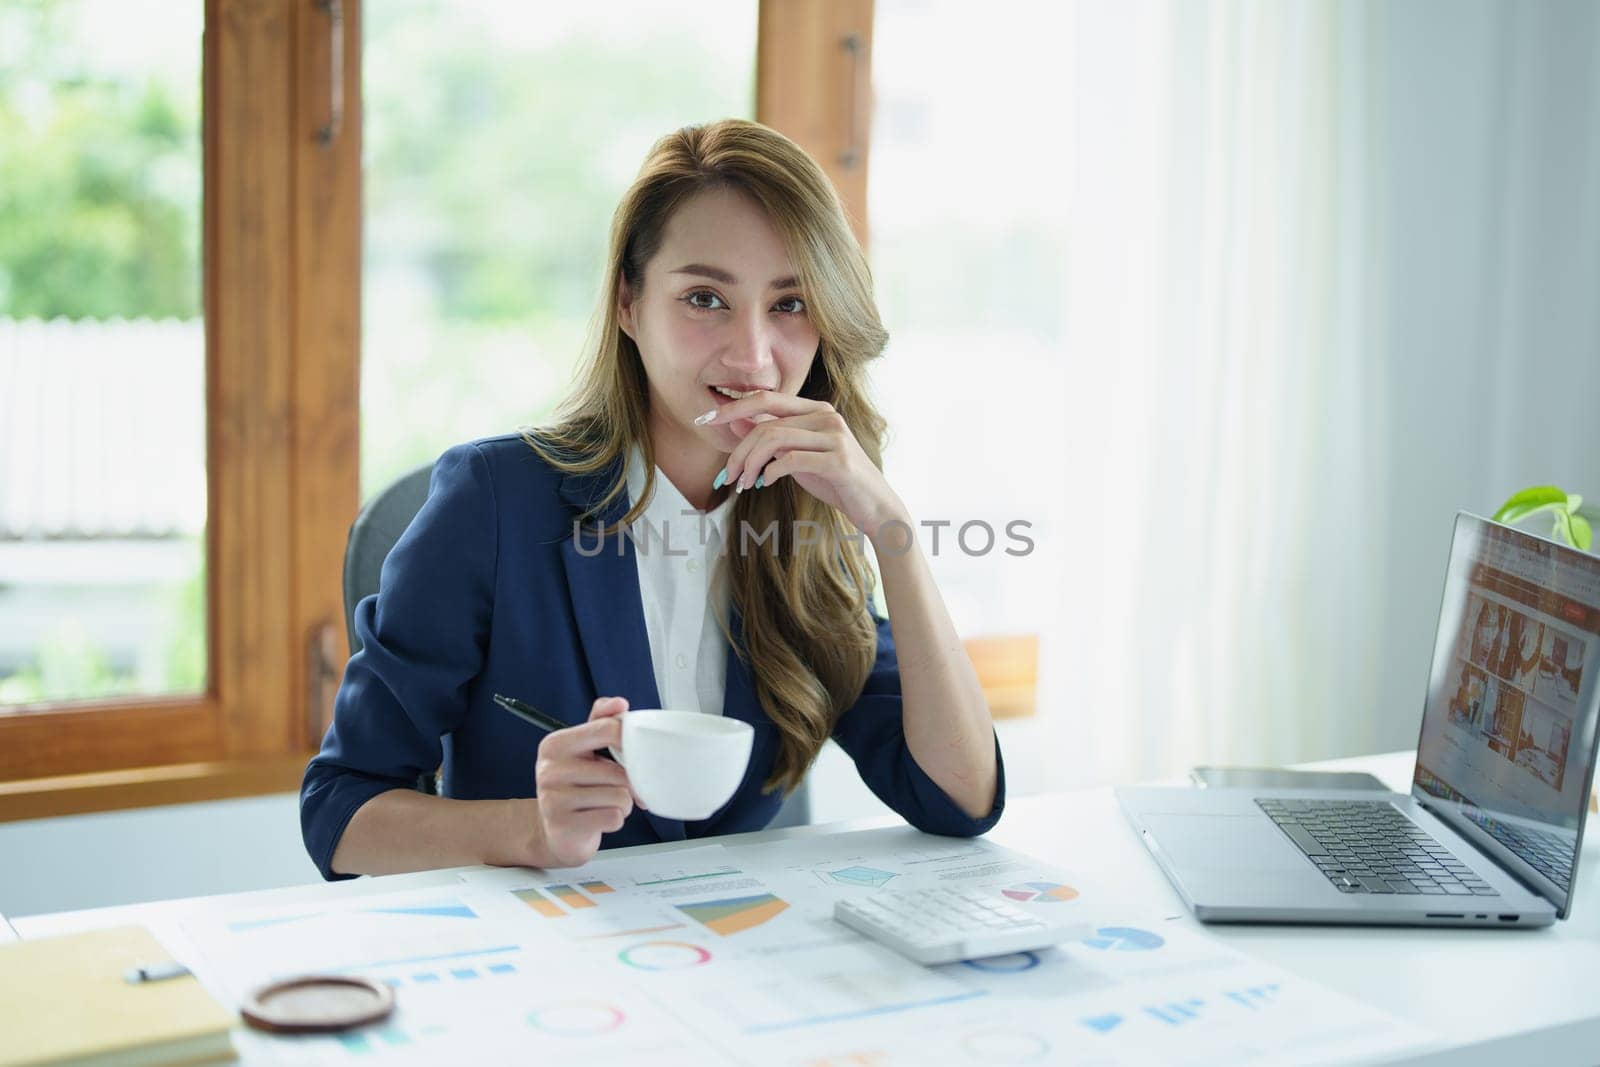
687	649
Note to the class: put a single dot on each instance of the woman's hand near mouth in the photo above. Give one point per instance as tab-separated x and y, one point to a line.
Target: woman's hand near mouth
792	437
740	427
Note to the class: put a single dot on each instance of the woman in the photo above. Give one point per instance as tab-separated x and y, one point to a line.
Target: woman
725	390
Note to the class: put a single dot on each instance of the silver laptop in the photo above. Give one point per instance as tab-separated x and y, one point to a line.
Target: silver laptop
1490	832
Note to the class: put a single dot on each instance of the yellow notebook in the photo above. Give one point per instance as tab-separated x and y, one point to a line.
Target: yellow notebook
64	1001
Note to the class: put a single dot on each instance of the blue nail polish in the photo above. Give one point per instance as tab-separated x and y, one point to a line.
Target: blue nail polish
761	480
722	476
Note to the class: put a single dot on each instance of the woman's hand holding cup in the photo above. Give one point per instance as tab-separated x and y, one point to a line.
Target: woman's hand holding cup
581	794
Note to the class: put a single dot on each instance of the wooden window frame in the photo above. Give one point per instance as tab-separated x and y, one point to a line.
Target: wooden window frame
814	85
282	239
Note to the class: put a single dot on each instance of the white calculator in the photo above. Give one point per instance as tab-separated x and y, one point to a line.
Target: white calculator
945	925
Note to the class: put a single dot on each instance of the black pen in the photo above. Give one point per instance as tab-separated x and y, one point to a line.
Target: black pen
543	720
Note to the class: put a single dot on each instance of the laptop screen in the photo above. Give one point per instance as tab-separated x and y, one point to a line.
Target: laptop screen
1508	734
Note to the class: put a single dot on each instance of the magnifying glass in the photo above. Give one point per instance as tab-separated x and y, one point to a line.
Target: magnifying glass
317	1004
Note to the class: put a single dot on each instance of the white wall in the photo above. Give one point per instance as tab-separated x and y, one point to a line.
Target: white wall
125	857
1489	210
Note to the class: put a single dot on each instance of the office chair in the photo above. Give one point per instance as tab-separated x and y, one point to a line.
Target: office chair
379	525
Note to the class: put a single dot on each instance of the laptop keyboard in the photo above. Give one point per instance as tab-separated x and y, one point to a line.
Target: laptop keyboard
1544	852
1368	846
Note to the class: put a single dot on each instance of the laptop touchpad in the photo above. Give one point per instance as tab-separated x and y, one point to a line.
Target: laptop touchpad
1224	842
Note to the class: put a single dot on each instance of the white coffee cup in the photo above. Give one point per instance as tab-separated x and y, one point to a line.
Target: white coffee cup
683	764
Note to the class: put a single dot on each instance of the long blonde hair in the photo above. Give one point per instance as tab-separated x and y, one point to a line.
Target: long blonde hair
809	637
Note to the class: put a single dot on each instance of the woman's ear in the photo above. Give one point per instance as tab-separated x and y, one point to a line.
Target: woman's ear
625	310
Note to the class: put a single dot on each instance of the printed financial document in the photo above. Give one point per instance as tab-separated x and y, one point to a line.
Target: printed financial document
727	955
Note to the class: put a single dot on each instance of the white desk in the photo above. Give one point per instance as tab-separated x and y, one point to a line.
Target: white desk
1500	996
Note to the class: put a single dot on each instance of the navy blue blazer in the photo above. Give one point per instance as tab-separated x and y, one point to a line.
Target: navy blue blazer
486	592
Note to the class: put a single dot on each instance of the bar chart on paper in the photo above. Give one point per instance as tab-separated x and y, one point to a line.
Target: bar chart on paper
603	914
569	896
469	967
541	904
1176	1013
366	1042
1254	997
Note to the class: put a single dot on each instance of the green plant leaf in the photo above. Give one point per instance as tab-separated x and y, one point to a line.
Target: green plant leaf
1563	528
1529	502
1574	502
1516	515
1582	534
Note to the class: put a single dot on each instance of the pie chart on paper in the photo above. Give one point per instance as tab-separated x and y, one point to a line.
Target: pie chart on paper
1124	939
1040	892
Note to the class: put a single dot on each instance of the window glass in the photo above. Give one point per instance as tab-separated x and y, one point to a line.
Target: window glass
498	140
968	240
102	351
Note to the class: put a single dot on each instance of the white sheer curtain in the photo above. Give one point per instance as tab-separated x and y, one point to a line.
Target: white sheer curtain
1325	272
1217	316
